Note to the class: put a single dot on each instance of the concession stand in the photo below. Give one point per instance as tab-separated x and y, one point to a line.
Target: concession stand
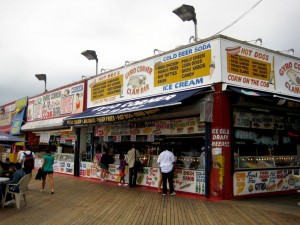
11	119
228	109
44	125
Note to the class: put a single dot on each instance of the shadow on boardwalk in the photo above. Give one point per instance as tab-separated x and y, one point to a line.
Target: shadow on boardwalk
86	201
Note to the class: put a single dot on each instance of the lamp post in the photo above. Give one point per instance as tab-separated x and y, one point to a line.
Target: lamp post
187	13
91	55
42	77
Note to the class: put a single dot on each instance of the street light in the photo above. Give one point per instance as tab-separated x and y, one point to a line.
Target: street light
42	77
187	13
90	55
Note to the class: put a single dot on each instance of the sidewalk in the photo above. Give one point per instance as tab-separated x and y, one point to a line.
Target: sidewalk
87	201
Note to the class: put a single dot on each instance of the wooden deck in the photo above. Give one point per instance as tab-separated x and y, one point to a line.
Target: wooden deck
86	201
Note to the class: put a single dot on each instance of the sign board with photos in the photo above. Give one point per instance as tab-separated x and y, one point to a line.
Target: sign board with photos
254	182
257	120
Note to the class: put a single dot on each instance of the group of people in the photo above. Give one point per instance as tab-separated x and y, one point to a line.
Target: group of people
24	165
166	162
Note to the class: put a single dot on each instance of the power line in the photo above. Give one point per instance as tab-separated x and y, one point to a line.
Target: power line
238	19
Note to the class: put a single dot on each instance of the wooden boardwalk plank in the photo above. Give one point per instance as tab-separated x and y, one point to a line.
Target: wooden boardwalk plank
84	201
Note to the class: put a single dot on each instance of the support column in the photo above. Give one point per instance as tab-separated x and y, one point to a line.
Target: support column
221	183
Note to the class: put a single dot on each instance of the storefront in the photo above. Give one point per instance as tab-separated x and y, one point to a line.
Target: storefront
195	98
11	120
44	126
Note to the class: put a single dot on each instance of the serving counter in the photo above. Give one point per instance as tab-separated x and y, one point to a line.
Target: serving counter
188	176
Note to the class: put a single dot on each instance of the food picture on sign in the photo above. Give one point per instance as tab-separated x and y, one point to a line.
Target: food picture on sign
233	50
137	81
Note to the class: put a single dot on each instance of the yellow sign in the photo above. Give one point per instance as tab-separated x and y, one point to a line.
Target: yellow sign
248	67
186	68
107	88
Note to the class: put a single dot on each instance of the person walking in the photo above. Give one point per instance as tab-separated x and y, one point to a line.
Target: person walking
122	170
166	160
27	160
48	170
133	155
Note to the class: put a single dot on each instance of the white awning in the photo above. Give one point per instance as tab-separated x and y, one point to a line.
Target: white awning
44	124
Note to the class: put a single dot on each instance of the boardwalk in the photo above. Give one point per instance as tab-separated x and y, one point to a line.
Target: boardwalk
85	201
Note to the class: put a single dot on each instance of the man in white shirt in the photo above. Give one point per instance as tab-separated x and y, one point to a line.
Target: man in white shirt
166	160
23	157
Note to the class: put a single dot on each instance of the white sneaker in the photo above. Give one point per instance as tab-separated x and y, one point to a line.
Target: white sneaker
119	184
42	190
173	193
125	185
10	202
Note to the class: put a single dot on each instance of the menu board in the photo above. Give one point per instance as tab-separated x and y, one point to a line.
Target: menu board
248	67
106	88
185	68
178	126
253	182
258	120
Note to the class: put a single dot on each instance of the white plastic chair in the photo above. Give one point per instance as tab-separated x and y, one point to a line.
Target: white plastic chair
23	187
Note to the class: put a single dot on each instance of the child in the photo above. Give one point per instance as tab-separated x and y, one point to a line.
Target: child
122	170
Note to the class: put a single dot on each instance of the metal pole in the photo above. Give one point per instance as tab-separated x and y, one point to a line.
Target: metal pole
96	67
196	31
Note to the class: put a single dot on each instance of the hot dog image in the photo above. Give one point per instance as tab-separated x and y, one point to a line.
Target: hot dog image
233	50
279	184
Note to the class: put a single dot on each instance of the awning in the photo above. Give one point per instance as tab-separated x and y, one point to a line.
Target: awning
44	124
129	109
250	92
4	137
287	98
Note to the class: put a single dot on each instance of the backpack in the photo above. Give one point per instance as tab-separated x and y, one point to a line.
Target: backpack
29	161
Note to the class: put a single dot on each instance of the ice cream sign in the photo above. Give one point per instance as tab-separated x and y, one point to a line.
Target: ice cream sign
183	69
291	71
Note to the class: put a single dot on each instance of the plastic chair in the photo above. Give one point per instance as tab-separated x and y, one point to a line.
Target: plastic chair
23	187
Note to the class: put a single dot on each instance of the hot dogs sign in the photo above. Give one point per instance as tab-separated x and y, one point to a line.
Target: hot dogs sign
259	69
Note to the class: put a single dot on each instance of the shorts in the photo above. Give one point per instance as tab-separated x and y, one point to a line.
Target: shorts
103	166
122	173
47	172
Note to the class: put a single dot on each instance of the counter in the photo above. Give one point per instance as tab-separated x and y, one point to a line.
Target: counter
185	179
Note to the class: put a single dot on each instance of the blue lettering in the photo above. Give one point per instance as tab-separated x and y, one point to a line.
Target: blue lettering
200	48
169	57
188	83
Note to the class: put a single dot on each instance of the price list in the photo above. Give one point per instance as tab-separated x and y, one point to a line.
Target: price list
107	88
248	67
186	68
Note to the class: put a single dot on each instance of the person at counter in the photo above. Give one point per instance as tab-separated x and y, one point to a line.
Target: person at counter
133	155
166	160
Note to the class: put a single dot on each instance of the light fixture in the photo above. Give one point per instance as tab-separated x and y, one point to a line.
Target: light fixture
260	110
85	77
289	51
257	40
192	38
128	62
187	13
91	55
157	51
103	70
42	77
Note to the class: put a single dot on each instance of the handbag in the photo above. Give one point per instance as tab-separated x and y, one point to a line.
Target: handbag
39	174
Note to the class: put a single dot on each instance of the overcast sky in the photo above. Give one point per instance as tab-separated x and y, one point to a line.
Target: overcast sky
47	36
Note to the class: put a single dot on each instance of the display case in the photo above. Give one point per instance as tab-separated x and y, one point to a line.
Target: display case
64	157
263	162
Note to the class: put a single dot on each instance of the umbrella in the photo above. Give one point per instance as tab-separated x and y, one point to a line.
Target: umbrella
9	138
